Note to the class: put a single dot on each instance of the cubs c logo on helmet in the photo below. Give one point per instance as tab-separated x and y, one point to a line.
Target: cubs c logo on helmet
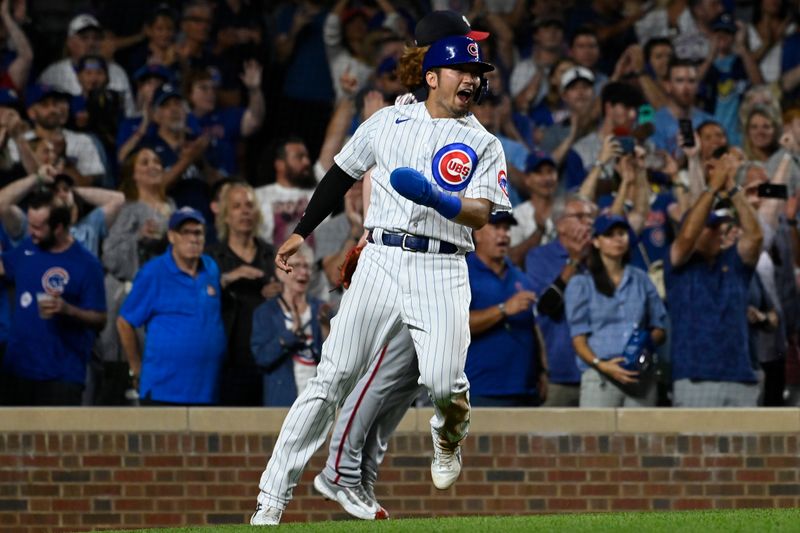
502	181
472	48
453	166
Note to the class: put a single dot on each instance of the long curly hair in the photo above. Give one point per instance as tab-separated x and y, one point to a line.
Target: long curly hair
127	184
409	67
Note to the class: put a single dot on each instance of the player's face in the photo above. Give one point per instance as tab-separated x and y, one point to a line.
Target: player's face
188	240
453	90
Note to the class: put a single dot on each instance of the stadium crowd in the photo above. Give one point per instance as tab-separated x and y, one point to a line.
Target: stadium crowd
153	156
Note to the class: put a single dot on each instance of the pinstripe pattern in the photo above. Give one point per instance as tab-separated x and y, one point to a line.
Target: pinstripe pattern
383	143
427	292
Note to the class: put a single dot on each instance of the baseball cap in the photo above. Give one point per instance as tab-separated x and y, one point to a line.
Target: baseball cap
454	50
605	222
9	98
503	217
152	71
574	74
536	159
185	214
724	22
83	22
91	62
40	91
438	24
718	216
164	93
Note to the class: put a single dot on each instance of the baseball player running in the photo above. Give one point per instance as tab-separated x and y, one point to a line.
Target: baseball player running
438	173
379	401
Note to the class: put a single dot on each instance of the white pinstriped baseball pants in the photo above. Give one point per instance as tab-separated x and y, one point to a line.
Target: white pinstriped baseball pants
429	293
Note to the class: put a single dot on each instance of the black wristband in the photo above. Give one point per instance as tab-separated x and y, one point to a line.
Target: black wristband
326	197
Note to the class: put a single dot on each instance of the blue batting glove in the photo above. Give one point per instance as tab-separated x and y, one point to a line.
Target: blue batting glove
412	184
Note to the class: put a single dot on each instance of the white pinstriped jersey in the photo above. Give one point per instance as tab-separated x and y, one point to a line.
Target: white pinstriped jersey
457	155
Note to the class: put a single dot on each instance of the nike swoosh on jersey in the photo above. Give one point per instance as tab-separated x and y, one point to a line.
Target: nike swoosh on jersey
400	120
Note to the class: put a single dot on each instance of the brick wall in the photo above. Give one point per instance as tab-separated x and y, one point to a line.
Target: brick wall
72	480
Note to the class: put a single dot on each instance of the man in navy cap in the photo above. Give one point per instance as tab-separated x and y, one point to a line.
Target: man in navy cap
177	297
506	363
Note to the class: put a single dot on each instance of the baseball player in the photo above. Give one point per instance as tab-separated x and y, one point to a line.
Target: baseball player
437	174
382	396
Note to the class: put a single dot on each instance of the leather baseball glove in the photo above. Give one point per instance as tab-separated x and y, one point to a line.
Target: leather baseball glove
349	266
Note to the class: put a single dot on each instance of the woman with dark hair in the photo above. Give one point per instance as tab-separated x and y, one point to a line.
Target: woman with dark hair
772	22
138	235
611	307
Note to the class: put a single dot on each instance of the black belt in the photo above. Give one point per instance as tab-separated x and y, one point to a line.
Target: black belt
413	243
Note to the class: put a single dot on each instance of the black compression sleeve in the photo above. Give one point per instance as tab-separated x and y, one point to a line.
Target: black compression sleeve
329	192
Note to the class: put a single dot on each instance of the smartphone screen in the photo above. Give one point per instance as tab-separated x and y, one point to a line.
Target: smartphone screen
773	190
687	132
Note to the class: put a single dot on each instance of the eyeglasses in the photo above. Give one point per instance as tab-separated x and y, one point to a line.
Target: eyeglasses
581	216
198	233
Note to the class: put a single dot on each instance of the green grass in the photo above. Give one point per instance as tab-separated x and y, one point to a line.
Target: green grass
745	521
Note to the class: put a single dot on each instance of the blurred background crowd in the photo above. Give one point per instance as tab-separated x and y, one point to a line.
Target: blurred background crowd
154	155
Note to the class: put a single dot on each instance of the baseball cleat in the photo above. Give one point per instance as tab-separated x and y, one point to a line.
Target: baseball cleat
266	516
381	513
446	465
354	500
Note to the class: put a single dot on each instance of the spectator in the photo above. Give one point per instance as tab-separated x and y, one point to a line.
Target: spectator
87	225
727	73
193	50
551	109
712	137
584	49
158	48
16	158
288	331
692	19
528	83
345	34
132	130
138	235
505	361
656	57
98	109
606	306
84	35
246	264
762	133
284	202
239	35
226	126
177	297
549	268
60	305
533	223
180	151
790	67
48	108
15	73
576	91
620	103
771	24
707	291
682	92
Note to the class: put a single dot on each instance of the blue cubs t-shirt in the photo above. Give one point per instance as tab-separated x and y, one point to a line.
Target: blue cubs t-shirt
223	126
57	348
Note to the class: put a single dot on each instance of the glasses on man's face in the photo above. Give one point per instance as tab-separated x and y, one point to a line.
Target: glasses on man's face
583	217
196	233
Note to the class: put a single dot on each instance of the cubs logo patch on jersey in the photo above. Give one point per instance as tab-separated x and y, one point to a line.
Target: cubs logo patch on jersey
453	166
502	181
54	280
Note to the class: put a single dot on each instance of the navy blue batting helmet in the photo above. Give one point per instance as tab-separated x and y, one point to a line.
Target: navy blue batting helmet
452	51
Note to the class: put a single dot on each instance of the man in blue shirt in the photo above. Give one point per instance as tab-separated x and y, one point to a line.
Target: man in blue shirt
549	269
707	289
177	297
225	126
682	85
505	359
60	306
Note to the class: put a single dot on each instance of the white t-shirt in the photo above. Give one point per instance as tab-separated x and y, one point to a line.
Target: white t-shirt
526	225
79	148
770	64
282	208
61	74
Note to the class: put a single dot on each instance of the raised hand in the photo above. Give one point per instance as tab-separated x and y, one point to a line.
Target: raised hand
251	77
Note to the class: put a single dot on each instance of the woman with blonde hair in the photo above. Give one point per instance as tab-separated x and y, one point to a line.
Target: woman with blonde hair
762	133
246	265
